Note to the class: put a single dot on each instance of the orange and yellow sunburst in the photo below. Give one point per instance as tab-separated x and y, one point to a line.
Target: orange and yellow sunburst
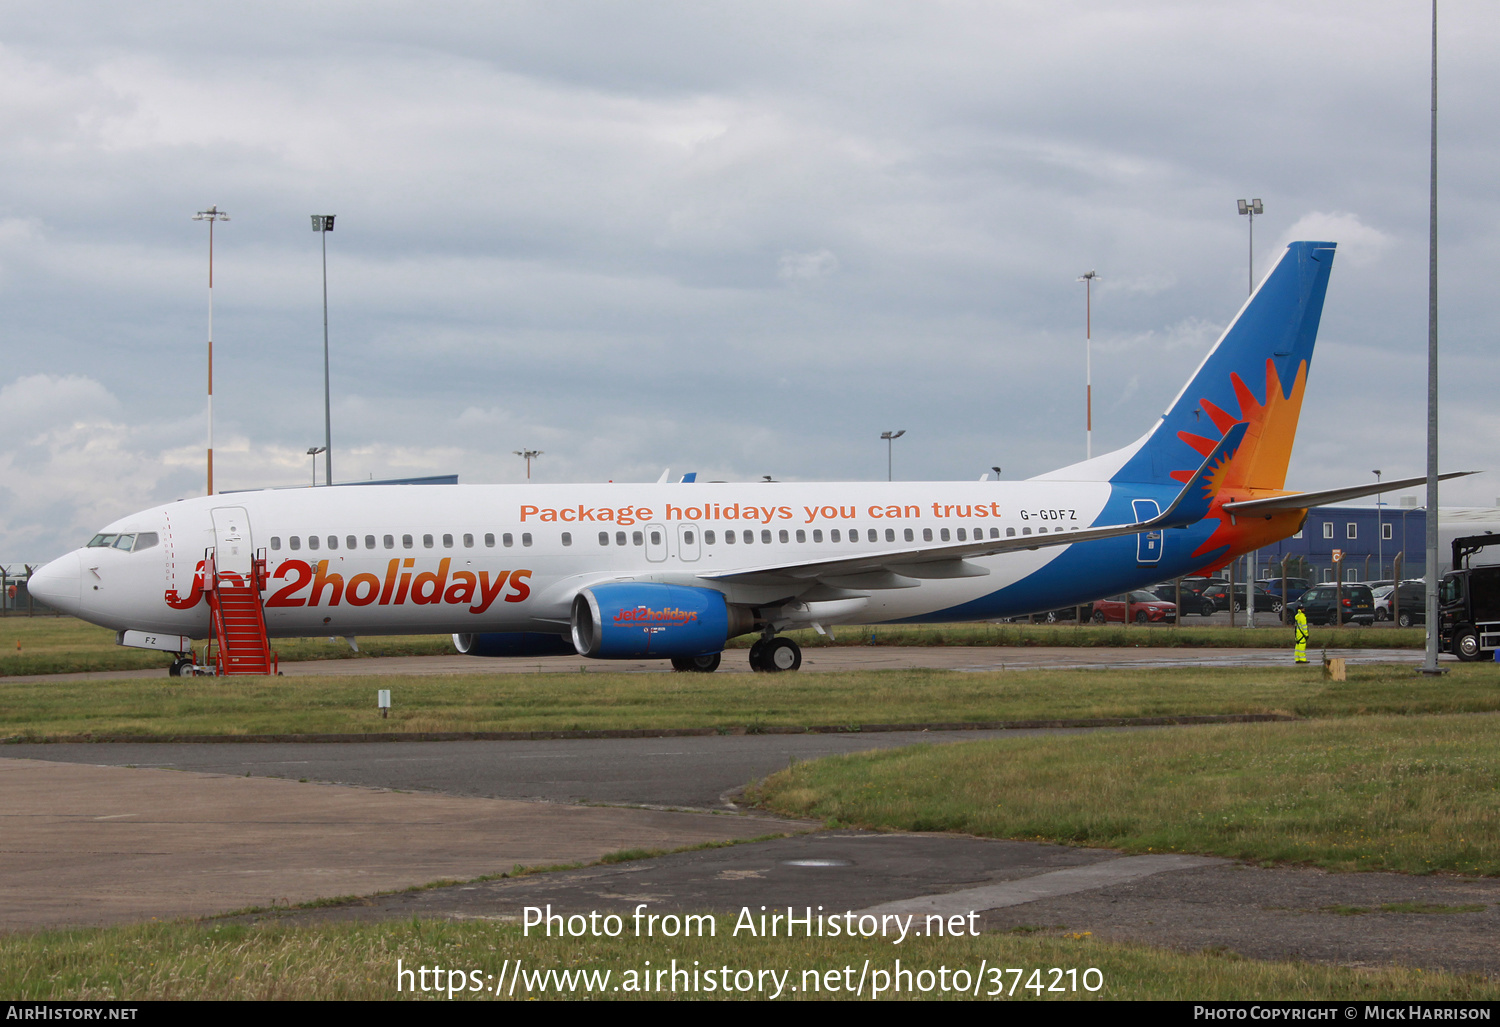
1258	467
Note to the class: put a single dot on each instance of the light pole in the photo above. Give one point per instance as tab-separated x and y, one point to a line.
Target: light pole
528	454
890	438
211	215
1250	208
323	224
1430	660
313	452
1379	533
1088	279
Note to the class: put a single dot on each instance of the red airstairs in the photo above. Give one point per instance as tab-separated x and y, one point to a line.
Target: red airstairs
239	622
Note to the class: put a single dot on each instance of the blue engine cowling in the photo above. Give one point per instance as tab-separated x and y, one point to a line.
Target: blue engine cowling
635	620
514	643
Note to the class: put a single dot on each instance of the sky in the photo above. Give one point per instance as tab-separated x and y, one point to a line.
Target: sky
736	239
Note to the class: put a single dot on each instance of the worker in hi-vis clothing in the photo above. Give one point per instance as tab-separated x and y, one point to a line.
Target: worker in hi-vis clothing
1299	633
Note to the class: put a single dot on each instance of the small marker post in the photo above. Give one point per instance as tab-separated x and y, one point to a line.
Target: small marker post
383	700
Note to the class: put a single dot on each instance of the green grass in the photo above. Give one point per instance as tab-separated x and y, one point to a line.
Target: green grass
608	701
235	962
1408	794
57	645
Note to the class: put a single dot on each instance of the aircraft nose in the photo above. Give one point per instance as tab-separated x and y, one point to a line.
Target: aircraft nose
59	583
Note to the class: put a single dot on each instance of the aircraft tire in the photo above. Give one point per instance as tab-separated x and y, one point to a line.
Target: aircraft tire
756	649
175	670
705	664
780	654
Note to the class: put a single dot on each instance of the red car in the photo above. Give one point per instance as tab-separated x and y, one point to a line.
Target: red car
1139	606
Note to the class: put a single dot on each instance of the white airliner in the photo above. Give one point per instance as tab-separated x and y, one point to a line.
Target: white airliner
622	571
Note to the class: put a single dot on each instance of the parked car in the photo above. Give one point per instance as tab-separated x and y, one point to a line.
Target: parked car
1219	596
1140	606
1321	604
1192	593
1294	587
1413	606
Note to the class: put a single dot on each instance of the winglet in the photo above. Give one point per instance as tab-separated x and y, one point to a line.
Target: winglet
1197	496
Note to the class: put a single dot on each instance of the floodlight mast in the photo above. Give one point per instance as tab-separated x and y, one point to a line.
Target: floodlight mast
211	215
1250	208
323	224
1430	660
528	454
1088	279
890	437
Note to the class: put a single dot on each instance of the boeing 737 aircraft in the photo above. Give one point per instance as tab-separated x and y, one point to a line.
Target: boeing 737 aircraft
674	571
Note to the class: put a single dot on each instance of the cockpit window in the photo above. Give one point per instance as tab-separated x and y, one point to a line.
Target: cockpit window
125	542
145	540
99	541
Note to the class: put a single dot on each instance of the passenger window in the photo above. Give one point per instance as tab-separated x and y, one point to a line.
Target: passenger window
890	534
729	538
333	541
636	538
749	536
447	541
834	536
1025	531
873	535
619	538
275	543
943	534
1010	532
369	541
817	534
853	534
963	536
525	538
908	535
312	542
801	535
295	542
389	541
784	536
687	538
352	542
507	540
995	532
708	536
926	534
765	536
655	538
426	541
406	542
489	539
468	541
567	538
604	538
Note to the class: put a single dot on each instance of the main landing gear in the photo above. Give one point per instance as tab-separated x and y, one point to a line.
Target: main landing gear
773	655
705	664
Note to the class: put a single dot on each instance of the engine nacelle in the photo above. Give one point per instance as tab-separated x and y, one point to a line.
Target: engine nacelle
514	643
645	619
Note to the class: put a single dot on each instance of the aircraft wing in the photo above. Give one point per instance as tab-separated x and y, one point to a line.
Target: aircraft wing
1303	500
906	568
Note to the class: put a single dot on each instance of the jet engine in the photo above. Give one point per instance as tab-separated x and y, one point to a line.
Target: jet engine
651	620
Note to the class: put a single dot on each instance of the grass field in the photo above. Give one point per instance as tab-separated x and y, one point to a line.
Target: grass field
1409	794
604	701
56	645
232	961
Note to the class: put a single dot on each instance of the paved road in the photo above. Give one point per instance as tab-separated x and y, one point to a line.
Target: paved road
693	772
831	659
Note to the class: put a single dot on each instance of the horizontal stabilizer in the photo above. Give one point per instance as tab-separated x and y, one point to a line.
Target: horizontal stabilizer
1304	500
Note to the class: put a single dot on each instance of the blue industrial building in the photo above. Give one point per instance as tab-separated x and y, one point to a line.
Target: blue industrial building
1371	539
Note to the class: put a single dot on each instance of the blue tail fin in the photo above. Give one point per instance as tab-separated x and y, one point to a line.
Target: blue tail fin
1256	373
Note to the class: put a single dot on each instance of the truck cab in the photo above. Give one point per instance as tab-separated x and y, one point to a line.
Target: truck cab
1469	603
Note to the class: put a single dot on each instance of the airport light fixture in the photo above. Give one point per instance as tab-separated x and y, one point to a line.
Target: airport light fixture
313	452
323	224
1430	659
528	454
211	215
1088	279
1250	208
890	438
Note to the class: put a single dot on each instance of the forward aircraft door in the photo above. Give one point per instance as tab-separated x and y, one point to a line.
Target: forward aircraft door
233	547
